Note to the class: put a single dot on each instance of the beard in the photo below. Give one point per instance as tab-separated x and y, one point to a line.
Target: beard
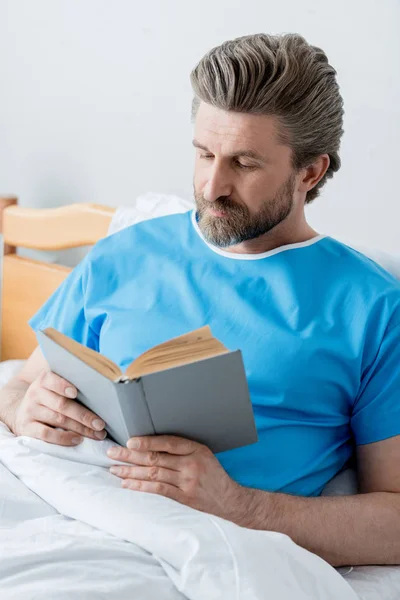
238	224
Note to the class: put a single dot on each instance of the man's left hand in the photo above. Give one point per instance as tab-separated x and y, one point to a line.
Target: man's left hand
183	470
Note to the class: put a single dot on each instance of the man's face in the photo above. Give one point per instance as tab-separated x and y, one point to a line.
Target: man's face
243	181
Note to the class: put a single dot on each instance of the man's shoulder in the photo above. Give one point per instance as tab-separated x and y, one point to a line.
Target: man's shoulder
138	238
364	287
360	265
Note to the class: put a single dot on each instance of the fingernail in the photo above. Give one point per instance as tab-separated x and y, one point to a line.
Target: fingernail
100	435
70	392
77	440
114	470
133	443
112	451
98	424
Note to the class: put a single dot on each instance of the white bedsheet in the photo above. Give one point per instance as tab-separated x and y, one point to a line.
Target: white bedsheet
68	528
374	583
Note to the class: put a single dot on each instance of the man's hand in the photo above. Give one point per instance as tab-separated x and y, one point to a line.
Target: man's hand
48	403
183	470
343	530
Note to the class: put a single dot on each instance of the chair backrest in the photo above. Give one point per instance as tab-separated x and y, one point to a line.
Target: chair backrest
26	283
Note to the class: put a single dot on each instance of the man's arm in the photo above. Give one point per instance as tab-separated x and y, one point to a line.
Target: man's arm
344	530
39	404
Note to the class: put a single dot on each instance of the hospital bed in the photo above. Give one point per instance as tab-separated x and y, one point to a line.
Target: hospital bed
66	528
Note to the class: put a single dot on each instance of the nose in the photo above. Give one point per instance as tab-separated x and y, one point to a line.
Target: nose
218	183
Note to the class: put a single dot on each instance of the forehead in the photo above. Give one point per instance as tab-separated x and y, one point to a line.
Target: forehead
233	129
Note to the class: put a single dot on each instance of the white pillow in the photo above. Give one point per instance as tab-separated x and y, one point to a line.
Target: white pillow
148	206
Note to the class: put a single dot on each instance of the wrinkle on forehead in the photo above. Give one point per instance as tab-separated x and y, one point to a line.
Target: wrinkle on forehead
232	130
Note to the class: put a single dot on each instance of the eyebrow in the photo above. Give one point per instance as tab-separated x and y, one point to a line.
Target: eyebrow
244	153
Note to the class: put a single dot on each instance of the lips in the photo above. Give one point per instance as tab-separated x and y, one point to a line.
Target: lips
216	213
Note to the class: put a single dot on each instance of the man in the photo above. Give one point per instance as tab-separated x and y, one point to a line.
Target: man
318	323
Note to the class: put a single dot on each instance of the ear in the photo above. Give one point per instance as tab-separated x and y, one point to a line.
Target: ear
312	174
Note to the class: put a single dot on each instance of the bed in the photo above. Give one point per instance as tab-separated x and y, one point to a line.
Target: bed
68	529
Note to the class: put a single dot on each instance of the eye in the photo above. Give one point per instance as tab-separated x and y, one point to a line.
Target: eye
242	166
206	156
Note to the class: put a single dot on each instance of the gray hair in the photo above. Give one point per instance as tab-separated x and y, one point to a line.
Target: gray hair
281	76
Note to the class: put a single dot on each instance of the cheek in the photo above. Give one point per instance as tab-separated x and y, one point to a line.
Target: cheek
199	179
253	191
259	187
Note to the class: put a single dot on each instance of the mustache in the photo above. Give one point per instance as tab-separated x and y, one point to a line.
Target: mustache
223	204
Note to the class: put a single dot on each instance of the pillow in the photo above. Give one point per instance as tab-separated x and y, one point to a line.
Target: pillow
345	483
148	206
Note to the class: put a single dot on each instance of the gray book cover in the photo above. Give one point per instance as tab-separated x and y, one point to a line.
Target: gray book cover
206	401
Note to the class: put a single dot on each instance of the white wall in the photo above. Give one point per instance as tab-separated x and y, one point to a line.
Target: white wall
95	99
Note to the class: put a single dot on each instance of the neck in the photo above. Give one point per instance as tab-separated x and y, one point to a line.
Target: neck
294	229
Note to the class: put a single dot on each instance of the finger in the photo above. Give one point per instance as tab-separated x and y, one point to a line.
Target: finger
70	409
57	384
163	443
147	474
53	436
155	487
159	459
47	416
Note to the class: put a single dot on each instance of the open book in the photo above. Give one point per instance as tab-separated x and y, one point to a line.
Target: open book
181	350
191	386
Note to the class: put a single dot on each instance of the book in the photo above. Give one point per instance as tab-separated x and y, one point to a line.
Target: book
191	386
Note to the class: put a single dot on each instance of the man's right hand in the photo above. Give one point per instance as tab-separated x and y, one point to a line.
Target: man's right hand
49	403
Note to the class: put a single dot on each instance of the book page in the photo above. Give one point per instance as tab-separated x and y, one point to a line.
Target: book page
193	346
97	361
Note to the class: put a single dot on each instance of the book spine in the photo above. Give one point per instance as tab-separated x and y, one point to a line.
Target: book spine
135	409
145	403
